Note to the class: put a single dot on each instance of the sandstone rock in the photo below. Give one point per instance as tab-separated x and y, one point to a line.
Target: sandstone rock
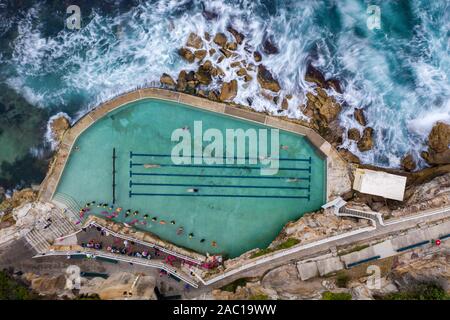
266	80
408	163
366	141
194	41
226	52
348	156
439	137
314	75
203	74
207	36
438	145
220	39
59	126
186	54
353	134
167	80
269	46
231	46
239	37
257	56
182	82
334	83
359	117
328	109
241	72
228	91
285	104
200	54
212	51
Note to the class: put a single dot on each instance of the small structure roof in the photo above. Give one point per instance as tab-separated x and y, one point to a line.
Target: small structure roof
379	183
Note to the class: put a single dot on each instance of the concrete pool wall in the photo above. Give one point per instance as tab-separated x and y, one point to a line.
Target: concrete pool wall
337	171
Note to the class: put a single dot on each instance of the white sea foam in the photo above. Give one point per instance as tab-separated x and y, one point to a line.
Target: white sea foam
115	54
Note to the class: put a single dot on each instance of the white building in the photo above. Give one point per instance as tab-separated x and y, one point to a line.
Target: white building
380	183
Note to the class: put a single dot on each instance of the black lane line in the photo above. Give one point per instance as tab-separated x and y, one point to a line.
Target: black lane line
214	186
217	167
131	194
222	158
215	176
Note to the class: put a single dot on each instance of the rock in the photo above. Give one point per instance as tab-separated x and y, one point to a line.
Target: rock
186	54
235	64
366	141
182	82
359	117
226	52
228	91
209	15
207	36
241	72
167	80
212	51
257	56
314	75
200	54
203	74
231	46
220	39
266	80
269	46
212	95
334	83
434	158
353	134
328	109
284	104
239	37
438	142
408	163
58	126
194	41
348	156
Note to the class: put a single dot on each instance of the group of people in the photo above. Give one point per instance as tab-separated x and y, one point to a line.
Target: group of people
113	213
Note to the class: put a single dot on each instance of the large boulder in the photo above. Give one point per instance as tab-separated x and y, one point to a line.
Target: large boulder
353	134
203	74
220	39
408	163
239	37
167	80
228	91
348	156
314	75
182	82
194	41
266	80
269	46
438	145
59	126
186	54
439	137
366	141
359	117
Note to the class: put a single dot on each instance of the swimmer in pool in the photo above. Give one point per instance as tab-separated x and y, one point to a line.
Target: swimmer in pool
192	190
154	219
293	180
284	147
172	222
191	235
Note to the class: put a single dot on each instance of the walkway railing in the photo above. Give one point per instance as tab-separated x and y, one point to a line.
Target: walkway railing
138	261
148	244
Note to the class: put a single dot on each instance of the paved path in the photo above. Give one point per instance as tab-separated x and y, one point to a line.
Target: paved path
261	266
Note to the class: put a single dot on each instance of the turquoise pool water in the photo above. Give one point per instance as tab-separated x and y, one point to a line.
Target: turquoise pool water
235	206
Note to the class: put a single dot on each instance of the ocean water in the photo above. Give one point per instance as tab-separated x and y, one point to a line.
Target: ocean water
399	74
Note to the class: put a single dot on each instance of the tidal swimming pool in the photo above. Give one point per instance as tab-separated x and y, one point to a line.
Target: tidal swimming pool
221	207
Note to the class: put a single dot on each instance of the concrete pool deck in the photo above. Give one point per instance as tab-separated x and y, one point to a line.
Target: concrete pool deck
337	171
